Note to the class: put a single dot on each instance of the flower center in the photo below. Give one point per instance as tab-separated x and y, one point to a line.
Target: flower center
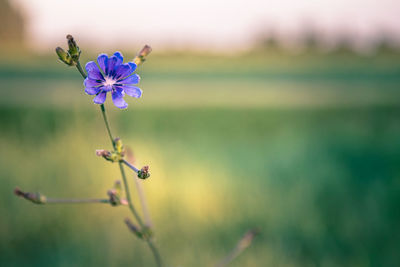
108	81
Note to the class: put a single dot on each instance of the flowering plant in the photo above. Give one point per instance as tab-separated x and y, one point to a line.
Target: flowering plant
111	75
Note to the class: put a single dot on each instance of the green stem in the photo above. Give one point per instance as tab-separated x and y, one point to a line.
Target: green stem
75	201
128	196
79	67
156	254
103	111
149	241
121	167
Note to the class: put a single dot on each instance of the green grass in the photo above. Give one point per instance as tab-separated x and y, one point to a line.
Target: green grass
312	161
321	185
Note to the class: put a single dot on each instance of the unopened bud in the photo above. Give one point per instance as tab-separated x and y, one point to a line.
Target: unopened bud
64	56
134	229
144	173
141	56
114	199
102	153
110	156
73	48
36	198
115	195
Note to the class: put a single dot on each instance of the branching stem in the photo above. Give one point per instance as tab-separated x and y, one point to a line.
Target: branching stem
121	167
75	201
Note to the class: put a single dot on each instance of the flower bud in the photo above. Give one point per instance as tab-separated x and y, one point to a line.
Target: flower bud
115	195
143	173
64	56
134	229
114	198
73	50
36	198
110	156
141	56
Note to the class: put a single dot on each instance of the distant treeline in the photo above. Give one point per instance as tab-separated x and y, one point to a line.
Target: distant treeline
312	41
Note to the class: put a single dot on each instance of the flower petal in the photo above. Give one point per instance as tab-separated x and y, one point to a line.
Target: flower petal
123	71
102	59
91	65
133	79
100	98
133	66
106	88
92	90
120	57
93	71
111	65
132	90
91	83
118	100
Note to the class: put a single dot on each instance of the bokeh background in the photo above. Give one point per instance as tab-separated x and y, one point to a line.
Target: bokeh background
280	115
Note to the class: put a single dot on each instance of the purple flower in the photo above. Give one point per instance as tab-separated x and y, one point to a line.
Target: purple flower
111	75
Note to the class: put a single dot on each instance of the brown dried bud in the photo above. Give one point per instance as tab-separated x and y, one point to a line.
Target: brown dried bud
141	56
36	198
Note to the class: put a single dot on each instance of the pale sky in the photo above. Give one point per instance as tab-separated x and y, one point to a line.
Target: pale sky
208	24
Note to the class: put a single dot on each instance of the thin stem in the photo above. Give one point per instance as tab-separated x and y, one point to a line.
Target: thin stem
128	196
143	202
103	111
130	166
139	220
75	201
82	72
139	189
156	254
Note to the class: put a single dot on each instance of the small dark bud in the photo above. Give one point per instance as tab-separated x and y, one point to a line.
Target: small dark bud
141	56
18	192
36	198
134	229
73	48
115	195
114	198
143	173
64	56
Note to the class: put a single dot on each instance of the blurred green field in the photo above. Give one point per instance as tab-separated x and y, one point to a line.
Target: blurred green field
307	149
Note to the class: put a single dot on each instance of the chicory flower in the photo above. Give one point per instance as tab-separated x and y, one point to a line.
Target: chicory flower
111	75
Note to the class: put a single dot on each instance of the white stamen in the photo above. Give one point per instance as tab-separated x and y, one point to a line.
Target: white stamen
108	81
